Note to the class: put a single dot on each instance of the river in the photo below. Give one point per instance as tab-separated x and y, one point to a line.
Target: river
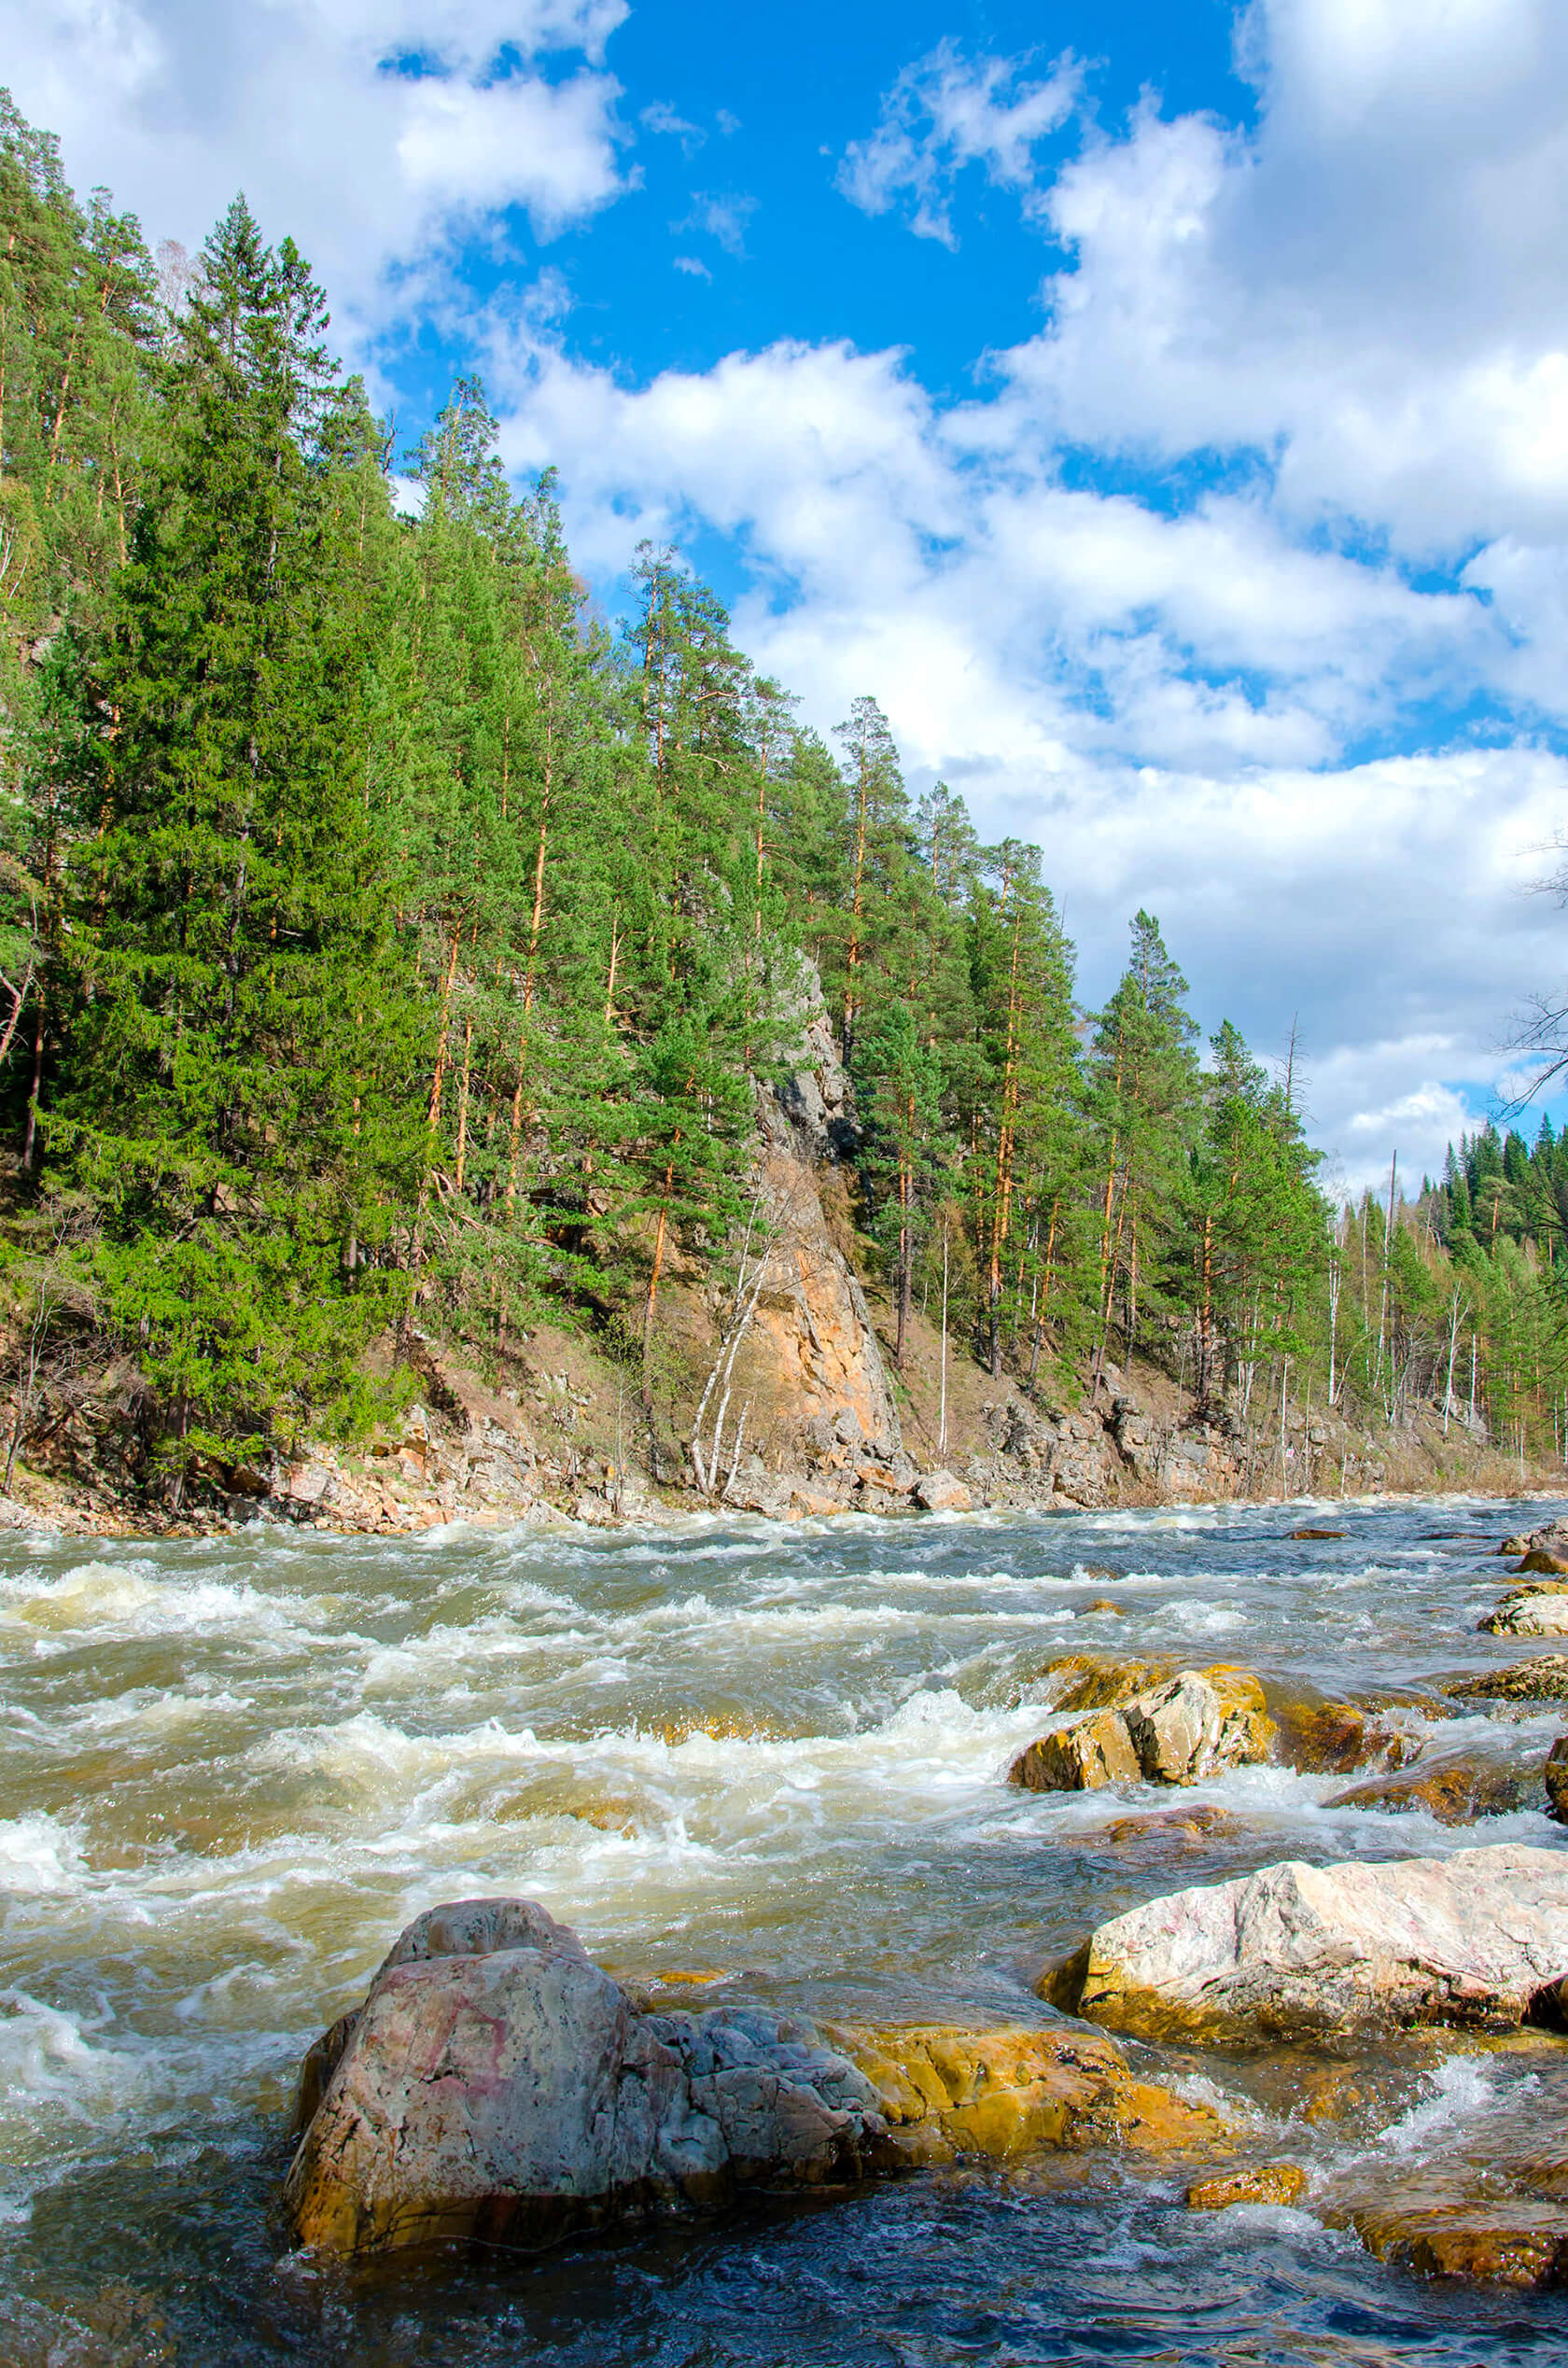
231	1770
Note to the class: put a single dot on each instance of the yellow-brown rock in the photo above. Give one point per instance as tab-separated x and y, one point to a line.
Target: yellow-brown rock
945	2091
1090	1683
1509	2241
1455	1791
1548	1566
1079	1759
1263	2183
1331	1738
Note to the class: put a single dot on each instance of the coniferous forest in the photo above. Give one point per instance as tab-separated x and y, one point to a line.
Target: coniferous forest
387	941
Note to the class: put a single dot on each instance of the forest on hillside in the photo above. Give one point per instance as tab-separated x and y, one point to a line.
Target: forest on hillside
386	940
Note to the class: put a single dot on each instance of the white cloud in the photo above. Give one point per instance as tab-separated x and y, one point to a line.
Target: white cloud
723	218
946	112
660	117
372	131
691	264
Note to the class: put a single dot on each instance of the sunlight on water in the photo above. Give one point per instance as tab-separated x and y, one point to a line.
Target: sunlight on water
230	1772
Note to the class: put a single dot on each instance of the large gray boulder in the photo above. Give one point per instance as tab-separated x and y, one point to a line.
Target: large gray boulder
498	2086
1478	1940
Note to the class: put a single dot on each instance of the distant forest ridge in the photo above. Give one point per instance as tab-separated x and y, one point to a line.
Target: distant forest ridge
384	942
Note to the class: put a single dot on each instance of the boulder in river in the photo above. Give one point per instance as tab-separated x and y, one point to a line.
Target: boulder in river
1478	1940
1556	1781
1454	1789
1499	2240
1333	1738
499	2086
1543	1679
1537	1611
1261	2183
1542	1563
1174	1734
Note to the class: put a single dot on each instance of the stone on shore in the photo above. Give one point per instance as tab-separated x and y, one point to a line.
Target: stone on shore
1176	1733
498	2086
941	1492
1474	1941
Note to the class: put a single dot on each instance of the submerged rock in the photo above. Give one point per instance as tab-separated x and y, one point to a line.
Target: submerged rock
1333	1738
1497	2240
1474	1941
1176	1733
499	2086
1455	1790
1264	2183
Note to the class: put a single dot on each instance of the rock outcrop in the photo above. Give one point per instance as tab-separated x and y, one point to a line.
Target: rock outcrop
496	2085
1479	1939
1173	1733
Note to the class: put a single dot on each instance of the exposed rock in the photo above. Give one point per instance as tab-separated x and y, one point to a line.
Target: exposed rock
1333	1738
1176	1733
1455	1790
1538	1613
1088	1683
1103	1604
1197	1724
1264	2183
1317	1533
940	1493
1543	1679
1081	1757
1473	1939
1549	1566
496	2085
1500	2240
943	2091
1556	1781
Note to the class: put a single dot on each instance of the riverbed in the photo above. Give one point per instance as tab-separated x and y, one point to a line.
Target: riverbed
770	1757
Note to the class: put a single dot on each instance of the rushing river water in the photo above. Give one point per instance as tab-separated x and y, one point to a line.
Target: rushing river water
230	1772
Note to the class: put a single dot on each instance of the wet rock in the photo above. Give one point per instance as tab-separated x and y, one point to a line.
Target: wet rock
1548	1564
1556	1781
1088	1683
1179	1826
1332	1738
941	1492
1500	2241
1079	1759
1543	1679
1539	1613
943	2091
1264	2183
1175	1733
1467	1940
1317	1533
1199	1723
499	2086
1453	1790
1103	1604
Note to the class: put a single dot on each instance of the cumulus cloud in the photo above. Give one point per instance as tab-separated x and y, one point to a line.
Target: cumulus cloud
947	111
372	131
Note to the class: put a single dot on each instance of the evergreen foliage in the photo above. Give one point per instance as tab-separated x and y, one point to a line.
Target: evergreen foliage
385	943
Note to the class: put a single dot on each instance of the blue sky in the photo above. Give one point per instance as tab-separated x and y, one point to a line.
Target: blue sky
1163	411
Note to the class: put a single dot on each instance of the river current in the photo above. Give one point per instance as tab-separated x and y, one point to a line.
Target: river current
772	1758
